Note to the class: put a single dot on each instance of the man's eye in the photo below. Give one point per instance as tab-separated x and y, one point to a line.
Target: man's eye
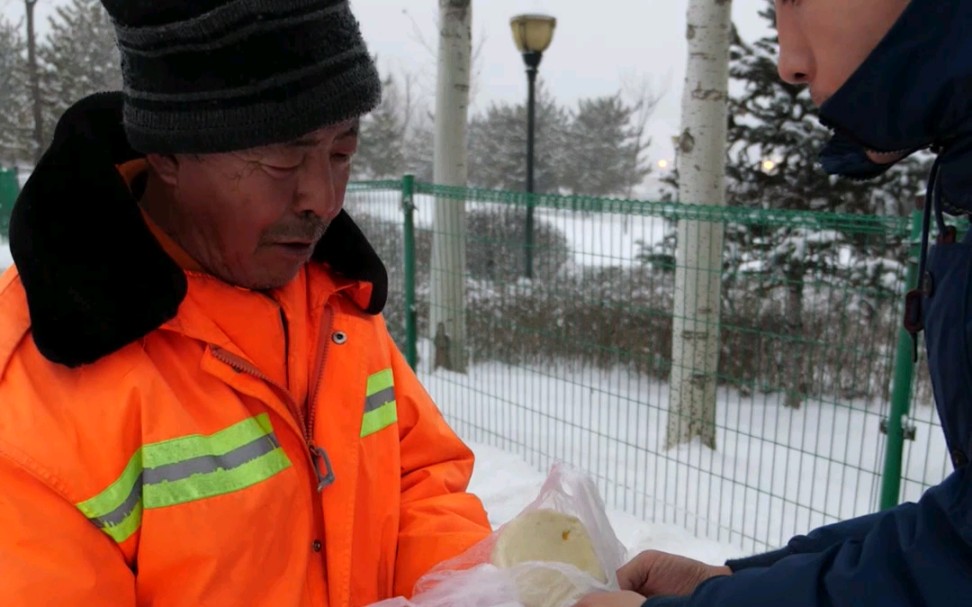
279	170
282	159
284	168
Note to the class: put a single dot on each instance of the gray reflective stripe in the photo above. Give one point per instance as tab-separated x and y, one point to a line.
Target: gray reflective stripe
117	515
209	463
378	399
181	470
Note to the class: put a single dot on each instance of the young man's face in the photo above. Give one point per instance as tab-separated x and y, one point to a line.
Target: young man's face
822	42
253	218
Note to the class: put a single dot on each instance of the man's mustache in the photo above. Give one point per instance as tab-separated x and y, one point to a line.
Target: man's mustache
310	230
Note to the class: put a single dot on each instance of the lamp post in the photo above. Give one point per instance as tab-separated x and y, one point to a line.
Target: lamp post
532	35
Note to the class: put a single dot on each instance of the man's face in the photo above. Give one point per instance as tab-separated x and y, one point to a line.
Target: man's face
253	218
822	42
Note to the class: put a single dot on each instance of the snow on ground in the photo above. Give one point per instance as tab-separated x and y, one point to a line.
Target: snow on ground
595	239
5	259
776	471
506	484
605	239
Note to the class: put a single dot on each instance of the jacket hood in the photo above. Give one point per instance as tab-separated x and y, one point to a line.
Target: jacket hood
913	92
94	276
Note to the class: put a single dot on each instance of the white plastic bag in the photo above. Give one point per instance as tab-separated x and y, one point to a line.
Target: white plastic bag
473	580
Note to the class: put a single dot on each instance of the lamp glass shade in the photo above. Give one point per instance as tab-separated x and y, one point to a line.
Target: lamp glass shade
533	33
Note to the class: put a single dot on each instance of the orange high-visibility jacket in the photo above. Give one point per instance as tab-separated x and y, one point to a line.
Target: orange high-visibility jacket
168	439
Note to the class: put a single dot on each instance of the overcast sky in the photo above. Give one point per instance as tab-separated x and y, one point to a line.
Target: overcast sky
598	46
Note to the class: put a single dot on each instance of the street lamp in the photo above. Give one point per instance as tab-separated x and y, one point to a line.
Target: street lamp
532	35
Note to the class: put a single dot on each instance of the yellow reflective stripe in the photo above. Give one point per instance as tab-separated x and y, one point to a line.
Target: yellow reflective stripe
196	445
379	419
379	381
216	482
184	469
380	410
117	493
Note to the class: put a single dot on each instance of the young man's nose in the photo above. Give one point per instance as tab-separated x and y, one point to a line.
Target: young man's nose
796	63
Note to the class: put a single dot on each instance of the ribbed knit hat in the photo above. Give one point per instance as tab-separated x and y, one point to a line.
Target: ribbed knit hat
206	76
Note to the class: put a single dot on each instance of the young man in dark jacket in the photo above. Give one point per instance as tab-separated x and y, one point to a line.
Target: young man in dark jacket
891	77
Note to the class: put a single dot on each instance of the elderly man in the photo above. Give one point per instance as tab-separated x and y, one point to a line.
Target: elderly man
891	77
199	401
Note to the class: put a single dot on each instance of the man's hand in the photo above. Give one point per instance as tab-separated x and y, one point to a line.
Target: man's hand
612	599
654	573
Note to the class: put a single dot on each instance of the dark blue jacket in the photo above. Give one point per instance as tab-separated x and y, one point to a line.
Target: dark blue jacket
913	92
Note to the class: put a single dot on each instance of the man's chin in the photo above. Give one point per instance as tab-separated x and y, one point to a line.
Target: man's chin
270	283
269	278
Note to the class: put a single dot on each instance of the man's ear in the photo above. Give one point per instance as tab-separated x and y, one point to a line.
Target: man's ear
165	166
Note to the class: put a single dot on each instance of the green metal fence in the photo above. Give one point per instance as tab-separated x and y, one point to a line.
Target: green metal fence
9	188
573	364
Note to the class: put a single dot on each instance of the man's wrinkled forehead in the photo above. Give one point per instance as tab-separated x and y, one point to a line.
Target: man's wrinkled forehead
338	132
341	130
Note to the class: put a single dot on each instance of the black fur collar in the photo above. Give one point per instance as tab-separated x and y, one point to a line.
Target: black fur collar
95	277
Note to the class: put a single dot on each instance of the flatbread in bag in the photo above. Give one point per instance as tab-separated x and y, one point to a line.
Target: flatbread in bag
552	537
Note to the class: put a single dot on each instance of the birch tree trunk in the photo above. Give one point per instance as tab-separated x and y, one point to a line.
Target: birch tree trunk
698	275
447	311
34	71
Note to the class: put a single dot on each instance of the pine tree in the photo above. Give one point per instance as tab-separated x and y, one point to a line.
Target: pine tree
15	134
381	148
606	155
598	149
773	164
397	137
79	57
420	147
497	145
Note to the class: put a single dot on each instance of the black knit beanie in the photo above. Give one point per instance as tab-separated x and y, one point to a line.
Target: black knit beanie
205	76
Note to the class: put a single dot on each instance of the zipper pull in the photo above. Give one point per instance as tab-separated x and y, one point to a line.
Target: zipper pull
319	456
913	321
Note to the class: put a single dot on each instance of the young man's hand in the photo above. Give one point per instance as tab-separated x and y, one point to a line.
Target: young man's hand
654	573
625	598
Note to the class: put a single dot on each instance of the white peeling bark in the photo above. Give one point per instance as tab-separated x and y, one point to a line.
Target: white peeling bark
447	311
698	276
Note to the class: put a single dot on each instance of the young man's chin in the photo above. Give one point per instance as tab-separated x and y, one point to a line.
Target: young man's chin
885	157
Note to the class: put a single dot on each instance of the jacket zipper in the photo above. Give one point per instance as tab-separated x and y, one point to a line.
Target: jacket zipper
316	454
323	338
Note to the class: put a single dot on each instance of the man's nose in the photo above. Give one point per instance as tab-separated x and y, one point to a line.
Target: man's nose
796	64
316	192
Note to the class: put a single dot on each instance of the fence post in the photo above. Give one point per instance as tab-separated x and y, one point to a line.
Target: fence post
901	388
9	189
408	210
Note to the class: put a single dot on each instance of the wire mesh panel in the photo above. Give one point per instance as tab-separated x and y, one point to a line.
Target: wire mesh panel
376	208
567	353
925	456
